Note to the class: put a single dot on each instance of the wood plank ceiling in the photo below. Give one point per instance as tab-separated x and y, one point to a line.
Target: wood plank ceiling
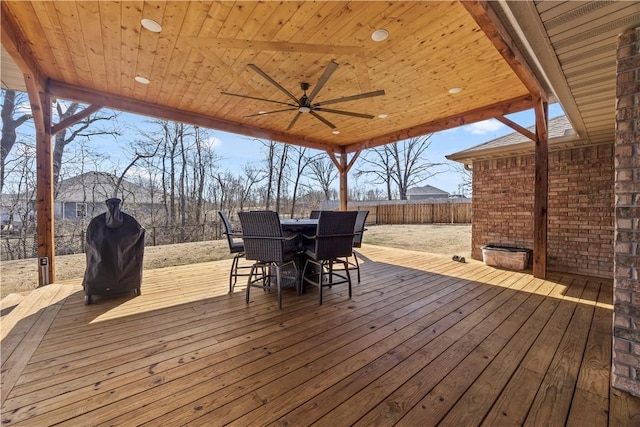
92	51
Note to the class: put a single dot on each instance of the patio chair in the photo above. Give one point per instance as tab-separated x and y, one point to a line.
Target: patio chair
272	252
332	244
358	232
236	248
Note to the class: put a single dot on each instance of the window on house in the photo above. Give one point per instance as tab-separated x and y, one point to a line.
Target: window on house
81	210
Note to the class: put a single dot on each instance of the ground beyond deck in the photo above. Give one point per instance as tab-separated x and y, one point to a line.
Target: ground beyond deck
424	341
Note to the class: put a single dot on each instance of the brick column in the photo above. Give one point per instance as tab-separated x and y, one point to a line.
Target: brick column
626	312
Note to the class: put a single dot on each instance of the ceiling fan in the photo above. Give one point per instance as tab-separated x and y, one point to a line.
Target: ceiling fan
305	104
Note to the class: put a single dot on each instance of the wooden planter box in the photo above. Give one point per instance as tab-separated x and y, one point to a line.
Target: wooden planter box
506	257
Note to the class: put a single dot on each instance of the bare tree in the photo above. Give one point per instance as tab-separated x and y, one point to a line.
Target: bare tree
404	163
270	167
10	99
205	163
20	220
86	128
281	174
380	164
301	160
465	188
324	172
252	176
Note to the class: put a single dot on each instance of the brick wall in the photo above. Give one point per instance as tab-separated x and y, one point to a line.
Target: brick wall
626	286
580	217
502	203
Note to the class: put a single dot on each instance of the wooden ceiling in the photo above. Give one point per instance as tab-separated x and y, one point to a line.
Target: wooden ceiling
91	51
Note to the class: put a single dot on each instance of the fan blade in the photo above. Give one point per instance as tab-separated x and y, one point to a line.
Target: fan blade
351	98
346	113
271	112
295	119
273	82
322	119
258	99
323	79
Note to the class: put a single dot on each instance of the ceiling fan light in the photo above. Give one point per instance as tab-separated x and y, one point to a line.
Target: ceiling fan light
304	109
379	35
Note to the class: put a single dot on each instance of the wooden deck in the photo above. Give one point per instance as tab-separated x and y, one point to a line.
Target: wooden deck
424	341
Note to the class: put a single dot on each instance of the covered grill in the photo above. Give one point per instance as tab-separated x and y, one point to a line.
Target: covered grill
114	250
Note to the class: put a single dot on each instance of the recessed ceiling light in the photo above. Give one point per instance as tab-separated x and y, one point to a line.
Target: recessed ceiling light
335	132
143	80
455	90
379	35
383	116
262	112
151	25
304	109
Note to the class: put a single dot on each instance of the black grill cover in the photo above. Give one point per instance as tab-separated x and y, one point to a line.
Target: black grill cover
114	249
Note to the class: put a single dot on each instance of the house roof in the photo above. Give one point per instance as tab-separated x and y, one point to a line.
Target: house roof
425	190
560	135
95	187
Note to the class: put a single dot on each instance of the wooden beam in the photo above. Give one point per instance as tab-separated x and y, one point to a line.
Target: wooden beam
512	106
488	21
353	160
44	197
343	168
513	125
65	91
72	120
541	191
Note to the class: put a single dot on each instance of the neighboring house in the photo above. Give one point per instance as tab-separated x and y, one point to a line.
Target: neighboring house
580	225
426	192
84	196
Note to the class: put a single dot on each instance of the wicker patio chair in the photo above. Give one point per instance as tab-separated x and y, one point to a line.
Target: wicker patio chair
236	248
332	244
272	252
358	232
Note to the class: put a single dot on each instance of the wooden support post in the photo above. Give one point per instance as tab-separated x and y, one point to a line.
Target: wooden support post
344	186
44	193
343	168
541	191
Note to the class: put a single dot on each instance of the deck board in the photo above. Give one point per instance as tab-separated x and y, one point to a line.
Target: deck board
423	341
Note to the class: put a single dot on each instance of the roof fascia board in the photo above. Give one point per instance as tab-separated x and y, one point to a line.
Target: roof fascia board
488	21
525	147
525	18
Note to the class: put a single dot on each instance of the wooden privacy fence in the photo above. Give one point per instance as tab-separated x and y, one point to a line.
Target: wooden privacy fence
458	212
